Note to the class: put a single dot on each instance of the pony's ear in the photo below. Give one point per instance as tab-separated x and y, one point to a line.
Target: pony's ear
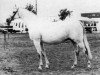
15	7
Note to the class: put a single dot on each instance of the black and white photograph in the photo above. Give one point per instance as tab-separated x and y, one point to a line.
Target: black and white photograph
49	37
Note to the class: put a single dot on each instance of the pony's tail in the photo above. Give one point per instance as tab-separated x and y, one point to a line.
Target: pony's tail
88	52
86	44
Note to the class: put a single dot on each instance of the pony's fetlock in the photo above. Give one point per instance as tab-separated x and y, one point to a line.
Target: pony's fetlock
40	67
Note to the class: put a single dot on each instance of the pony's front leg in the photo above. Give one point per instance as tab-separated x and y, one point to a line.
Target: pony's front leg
39	50
46	59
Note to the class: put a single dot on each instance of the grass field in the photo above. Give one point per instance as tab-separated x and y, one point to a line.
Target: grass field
18	56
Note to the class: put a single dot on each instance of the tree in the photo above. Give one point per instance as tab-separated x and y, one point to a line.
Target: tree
31	8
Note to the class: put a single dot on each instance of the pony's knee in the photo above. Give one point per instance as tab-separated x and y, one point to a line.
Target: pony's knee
39	52
38	47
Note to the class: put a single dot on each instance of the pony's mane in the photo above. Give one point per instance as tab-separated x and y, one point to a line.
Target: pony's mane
26	12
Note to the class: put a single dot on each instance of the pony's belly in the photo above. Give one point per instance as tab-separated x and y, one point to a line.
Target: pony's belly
53	39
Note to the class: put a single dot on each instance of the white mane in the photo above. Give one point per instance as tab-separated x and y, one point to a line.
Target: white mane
26	13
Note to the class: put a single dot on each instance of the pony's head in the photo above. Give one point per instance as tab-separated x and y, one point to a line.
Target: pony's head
12	15
64	13
24	13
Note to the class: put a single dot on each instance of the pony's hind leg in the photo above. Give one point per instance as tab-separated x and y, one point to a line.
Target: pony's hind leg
82	46
76	51
39	50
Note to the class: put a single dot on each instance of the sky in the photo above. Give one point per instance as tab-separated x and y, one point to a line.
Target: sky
50	7
76	5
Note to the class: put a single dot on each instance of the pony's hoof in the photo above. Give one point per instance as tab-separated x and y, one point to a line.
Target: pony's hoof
47	66
40	68
73	66
89	66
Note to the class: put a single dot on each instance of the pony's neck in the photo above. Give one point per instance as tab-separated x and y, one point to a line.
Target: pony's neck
27	17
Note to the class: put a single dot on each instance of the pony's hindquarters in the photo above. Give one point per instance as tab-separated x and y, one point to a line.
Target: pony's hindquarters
82	41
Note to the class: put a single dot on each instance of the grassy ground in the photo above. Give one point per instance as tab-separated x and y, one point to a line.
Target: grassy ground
18	56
